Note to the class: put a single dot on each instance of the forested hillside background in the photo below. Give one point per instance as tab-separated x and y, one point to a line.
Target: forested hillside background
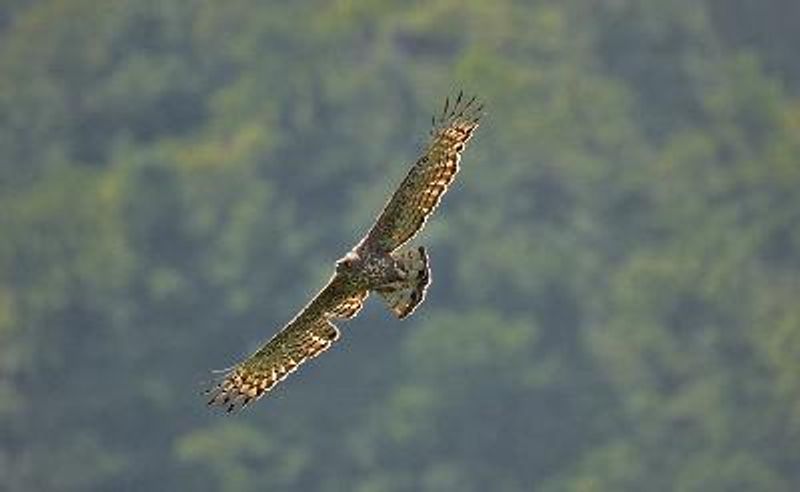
616	273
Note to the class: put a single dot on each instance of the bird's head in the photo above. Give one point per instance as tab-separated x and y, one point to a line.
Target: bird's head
348	262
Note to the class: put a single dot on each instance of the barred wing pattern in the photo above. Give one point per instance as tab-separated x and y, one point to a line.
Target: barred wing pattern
305	337
349	306
422	189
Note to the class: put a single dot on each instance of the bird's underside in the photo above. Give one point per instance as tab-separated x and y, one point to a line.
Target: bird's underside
382	263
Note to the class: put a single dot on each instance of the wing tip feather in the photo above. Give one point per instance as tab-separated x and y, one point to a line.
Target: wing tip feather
462	111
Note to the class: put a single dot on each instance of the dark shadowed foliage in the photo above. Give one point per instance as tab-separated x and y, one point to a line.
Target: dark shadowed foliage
616	270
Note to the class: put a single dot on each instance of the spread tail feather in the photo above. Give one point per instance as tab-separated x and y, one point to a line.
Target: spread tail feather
404	296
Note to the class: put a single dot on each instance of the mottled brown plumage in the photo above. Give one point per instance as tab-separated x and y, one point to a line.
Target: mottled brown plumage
423	187
403	297
377	263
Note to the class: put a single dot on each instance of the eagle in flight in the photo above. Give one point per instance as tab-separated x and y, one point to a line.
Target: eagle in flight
381	262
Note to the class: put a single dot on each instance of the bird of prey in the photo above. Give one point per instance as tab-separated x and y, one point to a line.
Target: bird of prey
381	262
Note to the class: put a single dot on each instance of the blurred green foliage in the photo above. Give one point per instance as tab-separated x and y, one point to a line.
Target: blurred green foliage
616	272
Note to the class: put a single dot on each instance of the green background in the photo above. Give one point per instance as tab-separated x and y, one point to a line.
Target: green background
616	272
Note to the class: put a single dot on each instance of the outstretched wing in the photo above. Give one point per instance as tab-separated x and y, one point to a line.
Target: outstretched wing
309	334
423	187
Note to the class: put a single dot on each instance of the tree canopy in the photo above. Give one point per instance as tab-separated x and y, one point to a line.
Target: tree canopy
616	271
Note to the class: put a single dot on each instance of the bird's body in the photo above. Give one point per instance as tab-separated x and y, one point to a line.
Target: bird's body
378	263
368	270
